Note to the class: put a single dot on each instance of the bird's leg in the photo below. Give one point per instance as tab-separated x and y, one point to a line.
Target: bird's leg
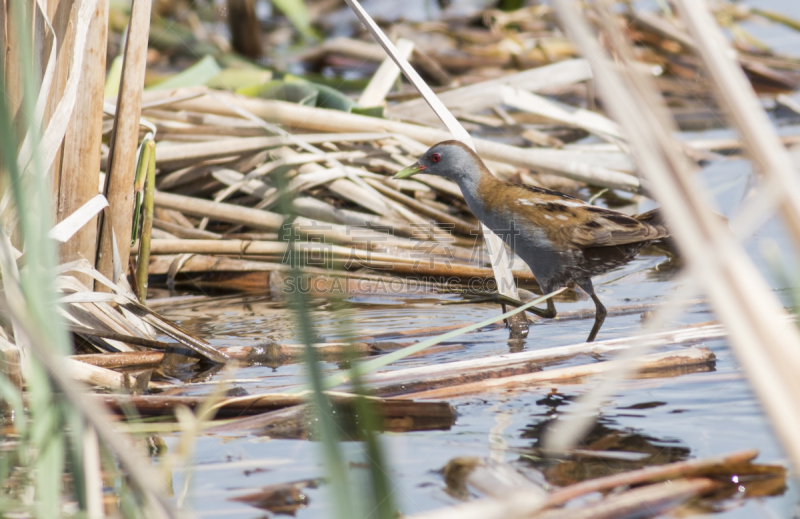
599	316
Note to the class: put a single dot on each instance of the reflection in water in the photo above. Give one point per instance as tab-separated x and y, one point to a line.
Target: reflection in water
607	449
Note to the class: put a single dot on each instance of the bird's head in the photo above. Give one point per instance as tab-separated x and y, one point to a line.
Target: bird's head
450	159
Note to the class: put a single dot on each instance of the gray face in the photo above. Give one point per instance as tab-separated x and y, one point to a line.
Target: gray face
453	160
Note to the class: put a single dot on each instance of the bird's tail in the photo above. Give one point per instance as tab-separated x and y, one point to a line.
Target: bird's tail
656	220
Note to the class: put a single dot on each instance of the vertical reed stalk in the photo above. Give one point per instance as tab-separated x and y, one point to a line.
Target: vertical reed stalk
124	145
78	174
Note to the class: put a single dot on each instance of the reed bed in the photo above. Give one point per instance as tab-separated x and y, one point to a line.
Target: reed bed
294	199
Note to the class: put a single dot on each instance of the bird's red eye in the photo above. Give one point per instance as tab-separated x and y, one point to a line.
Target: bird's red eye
436	157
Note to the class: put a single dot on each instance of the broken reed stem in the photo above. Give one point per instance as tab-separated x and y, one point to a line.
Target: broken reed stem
124	145
143	263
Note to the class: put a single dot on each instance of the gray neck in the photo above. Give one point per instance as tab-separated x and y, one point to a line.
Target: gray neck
469	188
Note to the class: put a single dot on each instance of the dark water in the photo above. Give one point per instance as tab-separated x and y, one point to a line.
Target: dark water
665	419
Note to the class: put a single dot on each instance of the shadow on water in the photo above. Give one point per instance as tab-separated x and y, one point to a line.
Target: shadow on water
609	448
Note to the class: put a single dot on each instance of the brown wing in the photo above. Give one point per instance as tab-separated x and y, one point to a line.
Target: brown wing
570	221
598	227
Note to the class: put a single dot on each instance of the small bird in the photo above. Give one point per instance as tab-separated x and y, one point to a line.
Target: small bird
560	237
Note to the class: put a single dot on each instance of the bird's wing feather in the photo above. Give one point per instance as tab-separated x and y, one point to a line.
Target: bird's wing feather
598	227
572	222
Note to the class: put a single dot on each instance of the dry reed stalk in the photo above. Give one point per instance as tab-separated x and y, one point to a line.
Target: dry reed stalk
168	131
572	165
347	46
458	225
141	319
448	266
179	231
99	316
315	209
766	344
178	178
122	337
269	221
81	148
262	275
126	359
198	119
60	38
14	64
573	374
486	94
116	226
256	218
592	122
735	144
90	449
386	75
94	375
372	200
55	129
172	156
160	98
